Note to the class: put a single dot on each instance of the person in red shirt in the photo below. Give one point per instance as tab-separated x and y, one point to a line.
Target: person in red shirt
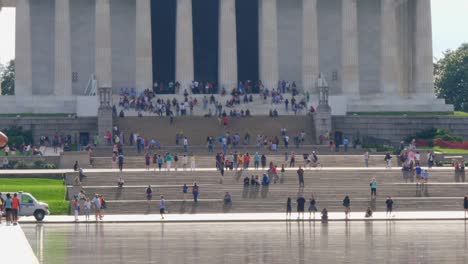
15	203
246	161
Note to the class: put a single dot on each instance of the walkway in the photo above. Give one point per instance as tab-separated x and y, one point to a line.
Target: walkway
14	247
253	217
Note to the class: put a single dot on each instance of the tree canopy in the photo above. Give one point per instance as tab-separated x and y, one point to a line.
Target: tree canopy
451	78
7	78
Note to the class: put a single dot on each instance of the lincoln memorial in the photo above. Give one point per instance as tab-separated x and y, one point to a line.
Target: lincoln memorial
376	55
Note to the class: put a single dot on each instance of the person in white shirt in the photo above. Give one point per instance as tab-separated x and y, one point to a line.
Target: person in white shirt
366	158
185	144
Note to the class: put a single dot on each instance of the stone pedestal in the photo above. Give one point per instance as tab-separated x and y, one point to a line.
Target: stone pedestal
105	121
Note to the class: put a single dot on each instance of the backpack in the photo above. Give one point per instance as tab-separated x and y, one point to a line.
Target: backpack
104	204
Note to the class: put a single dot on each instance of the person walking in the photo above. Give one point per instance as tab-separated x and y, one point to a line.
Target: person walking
300	206
185	142
149	195
195	191
162	207
389	203
292	160
176	162
312	207
300	175
465	205
288	208
373	186
347	206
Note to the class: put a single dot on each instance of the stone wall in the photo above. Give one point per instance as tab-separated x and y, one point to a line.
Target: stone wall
48	126
397	127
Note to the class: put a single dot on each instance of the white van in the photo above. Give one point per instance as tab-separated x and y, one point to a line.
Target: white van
29	205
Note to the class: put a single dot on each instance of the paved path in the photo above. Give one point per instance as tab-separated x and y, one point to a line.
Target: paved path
14	246
253	217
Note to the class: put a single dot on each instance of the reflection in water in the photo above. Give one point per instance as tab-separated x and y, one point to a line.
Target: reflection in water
289	242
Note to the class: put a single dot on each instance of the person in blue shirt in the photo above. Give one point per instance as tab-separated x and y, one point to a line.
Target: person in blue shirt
418	171
265	180
162	207
345	144
373	185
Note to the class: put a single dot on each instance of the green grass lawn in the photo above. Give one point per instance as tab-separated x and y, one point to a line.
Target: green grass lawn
51	191
445	150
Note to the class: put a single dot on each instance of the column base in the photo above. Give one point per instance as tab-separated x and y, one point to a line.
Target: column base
394	103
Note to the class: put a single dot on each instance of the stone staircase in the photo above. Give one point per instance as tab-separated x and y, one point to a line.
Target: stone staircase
197	128
328	186
205	161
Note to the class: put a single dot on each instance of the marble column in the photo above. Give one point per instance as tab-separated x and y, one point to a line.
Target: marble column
350	49
103	56
23	59
310	48
423	63
268	32
143	45
63	71
389	76
184	45
227	66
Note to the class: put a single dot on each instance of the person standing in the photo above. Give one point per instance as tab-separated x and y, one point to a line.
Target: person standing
465	205
300	206
195	191
345	144
76	208
184	190
388	160
2	204
176	162
373	186
87	208
15	205
263	161
389	203
149	195
288	208
347	206
292	161
430	159
300	175
162	207
184	162
160	162
256	160
312	207
192	163
7	206
121	162
147	160
185	144
97	207
168	161
366	158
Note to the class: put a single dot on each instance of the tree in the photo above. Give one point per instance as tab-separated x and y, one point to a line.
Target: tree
451	78
7	78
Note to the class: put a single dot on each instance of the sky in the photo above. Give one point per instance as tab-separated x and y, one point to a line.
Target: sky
449	23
